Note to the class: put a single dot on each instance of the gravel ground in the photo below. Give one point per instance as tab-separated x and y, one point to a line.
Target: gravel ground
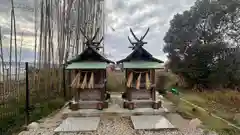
109	125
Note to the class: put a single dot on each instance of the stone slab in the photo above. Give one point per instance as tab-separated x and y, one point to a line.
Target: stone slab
75	124
151	122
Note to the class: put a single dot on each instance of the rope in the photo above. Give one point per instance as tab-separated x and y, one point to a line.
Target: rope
85	71
91	81
130	78
84	81
139	71
138	81
76	80
78	85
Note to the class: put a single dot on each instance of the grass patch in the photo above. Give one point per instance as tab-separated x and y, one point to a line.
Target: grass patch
14	114
45	94
187	110
45	108
223	104
209	122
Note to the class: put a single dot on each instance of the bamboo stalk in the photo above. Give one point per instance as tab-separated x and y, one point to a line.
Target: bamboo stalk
35	34
10	55
45	33
20	58
48	48
40	42
41	34
2	61
15	39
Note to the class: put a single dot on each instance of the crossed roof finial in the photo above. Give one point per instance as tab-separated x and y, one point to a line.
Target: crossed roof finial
139	42
91	42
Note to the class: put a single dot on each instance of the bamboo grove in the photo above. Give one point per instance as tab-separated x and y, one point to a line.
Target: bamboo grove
57	37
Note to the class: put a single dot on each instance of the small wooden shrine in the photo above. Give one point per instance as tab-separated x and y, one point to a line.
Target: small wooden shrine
140	68
89	82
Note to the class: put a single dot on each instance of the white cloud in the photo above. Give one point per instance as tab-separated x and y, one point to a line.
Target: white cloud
120	15
140	14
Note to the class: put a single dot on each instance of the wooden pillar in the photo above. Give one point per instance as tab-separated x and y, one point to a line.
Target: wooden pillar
128	90
153	90
76	91
64	83
69	83
103	90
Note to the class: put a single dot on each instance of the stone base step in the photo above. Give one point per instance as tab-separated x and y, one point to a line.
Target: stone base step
113	110
143	103
88	104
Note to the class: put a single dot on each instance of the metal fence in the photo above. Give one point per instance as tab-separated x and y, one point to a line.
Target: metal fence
30	94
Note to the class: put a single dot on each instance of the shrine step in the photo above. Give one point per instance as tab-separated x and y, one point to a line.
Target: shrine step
142	103
88	104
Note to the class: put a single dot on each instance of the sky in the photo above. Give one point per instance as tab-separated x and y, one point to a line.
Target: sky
139	15
120	15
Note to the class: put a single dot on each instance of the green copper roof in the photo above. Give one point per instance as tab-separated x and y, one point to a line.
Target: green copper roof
142	65
87	65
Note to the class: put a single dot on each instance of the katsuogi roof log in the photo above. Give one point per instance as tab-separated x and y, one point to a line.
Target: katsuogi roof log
139	42
90	41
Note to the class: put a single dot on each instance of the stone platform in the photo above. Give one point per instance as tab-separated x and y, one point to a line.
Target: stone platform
116	108
113	109
142	118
